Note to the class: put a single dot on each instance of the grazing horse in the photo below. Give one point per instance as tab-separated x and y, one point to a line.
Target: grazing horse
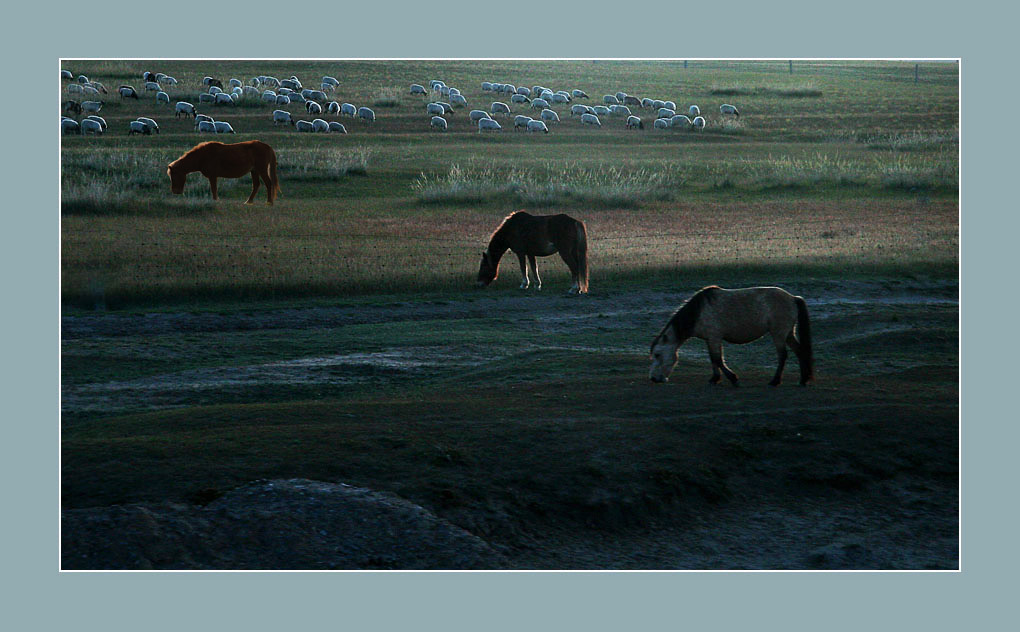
538	236
739	316
219	160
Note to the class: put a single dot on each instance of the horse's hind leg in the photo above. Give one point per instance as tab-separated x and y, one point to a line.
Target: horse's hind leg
533	263
254	186
575	276
715	352
524	272
780	341
212	185
794	344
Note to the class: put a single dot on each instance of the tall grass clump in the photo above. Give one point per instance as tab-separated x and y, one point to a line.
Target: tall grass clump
913	141
805	90
938	172
567	185
325	164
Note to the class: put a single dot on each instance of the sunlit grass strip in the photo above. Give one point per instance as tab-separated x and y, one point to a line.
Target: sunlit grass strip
794	91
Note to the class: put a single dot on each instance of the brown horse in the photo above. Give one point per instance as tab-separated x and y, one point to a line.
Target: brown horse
218	160
739	316
538	236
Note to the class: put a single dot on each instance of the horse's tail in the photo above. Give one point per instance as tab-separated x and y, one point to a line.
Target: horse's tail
273	178
806	355
581	252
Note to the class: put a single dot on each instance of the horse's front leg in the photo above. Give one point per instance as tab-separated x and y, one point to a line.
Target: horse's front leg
524	271
212	185
715	352
533	262
254	186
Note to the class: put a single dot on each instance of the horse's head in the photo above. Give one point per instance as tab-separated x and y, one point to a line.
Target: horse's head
177	178
664	354
488	270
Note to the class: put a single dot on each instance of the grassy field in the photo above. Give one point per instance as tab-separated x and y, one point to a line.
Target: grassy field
336	336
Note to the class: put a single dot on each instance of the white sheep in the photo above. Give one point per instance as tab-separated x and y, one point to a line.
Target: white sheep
658	103
151	124
435	109
600	110
522	121
282	116
269	96
509	88
69	126
647	103
546	94
337	127
537	126
694	111
486	86
579	94
286	91
477	115
222	127
250	91
680	120
417	88
366	113
565	95
162	97
498	107
282	99
523	90
665	112
99	119
438	122
185	108
458	99
235	83
170	81
152	86
83	79
75	88
578	109
620	96
619	110
320	125
327	87
539	104
348	109
610	99
202	117
215	89
488	124
519	98
224	99
333	81
90	126
726	108
661	123
90	90
91	106
313	108
669	104
634	121
291	83
138	127
205	97
447	108
125	92
698	123
295	97
551	116
590	119
304	126
333	107
315	95
559	98
66	74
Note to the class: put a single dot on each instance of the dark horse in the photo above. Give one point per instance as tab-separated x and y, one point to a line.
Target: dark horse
739	316
218	160
538	236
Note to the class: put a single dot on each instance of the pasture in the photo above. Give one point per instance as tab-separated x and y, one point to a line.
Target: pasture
337	335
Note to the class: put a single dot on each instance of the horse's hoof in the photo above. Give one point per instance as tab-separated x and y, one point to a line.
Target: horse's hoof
775	383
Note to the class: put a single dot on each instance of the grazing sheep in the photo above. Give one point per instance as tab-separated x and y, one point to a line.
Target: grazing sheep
304	126
458	99
694	111
578	109
538	90
417	88
269	96
215	90
629	100
665	112
235	83
295	97
477	115
447	108
152	86
286	91
170	81
69	126
82	79
333	107
646	102
498	107
333	81
669	104
151	124
559	98
223	99
590	119
291	83
488	124
600	110
66	74
138	127
348	109
523	90
337	127
250	91
91	126
435	109
680	120
444	91
661	123
579	94
633	121
367	114
549	115
521	121
619	110
75	88
205	97
327	87
537	126
519	98
91	106
282	116
320	125
90	90
620	96
698	123
71	106
185	108
433	84
98	119
202	117
282	99
206	127
539	104
509	88
438	122
610	99
658	103
315	95
313	108
222	127
486	86
127	92
726	108
162	97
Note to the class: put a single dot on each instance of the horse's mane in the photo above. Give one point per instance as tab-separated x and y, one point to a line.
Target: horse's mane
503	224
685	318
